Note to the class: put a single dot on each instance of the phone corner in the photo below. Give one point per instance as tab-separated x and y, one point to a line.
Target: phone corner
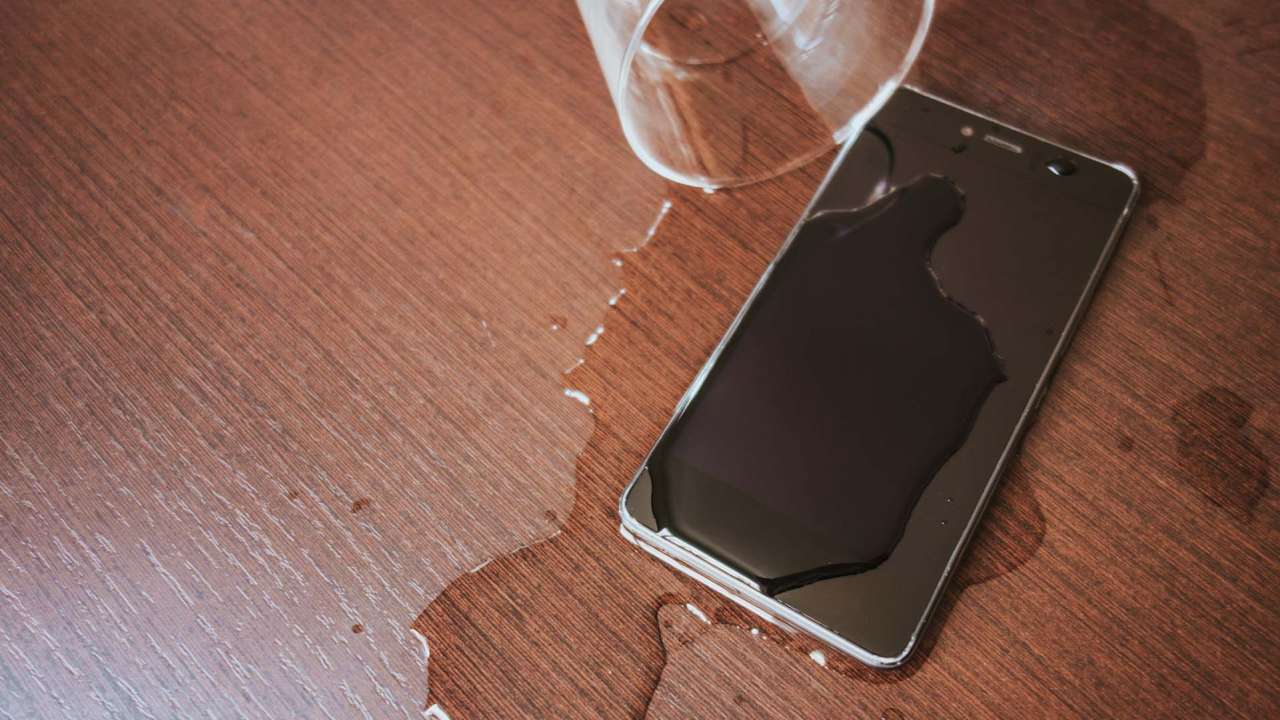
876	660
626	532
623	513
628	524
1131	174
898	660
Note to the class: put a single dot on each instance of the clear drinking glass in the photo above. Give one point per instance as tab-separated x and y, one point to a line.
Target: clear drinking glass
717	93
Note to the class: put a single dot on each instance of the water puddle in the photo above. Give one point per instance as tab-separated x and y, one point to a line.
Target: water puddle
540	596
1217	451
583	624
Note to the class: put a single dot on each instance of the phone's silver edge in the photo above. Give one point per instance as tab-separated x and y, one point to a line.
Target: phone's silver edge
693	563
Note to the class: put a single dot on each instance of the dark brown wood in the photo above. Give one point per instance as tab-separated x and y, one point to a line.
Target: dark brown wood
288	292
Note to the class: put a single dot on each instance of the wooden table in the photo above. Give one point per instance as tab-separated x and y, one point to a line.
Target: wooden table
292	294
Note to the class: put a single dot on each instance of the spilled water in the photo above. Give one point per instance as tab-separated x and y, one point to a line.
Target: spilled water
502	560
585	625
851	322
578	625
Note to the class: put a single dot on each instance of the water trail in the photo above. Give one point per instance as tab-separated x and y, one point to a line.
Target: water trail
594	336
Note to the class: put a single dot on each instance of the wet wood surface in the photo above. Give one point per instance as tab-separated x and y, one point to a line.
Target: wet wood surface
291	294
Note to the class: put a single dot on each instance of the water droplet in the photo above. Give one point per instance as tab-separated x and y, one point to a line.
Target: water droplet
695	611
426	646
709	190
648	234
578	395
435	712
653	227
819	657
595	335
613	301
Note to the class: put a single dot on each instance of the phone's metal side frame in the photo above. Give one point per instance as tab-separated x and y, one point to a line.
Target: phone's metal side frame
693	563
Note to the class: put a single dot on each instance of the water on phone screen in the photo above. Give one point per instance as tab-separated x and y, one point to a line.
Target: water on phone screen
851	381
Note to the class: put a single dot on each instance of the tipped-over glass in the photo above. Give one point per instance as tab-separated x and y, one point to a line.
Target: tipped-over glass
717	93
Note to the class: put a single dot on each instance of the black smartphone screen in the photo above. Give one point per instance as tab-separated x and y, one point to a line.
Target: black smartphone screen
839	446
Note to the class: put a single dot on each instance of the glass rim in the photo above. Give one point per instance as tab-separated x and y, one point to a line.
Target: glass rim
850	130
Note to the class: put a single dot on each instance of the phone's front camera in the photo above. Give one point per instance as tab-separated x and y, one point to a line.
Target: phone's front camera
1061	167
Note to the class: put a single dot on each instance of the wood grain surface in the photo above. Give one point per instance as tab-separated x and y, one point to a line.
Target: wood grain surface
293	298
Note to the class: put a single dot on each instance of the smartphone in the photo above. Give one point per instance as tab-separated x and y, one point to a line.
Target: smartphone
832	458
